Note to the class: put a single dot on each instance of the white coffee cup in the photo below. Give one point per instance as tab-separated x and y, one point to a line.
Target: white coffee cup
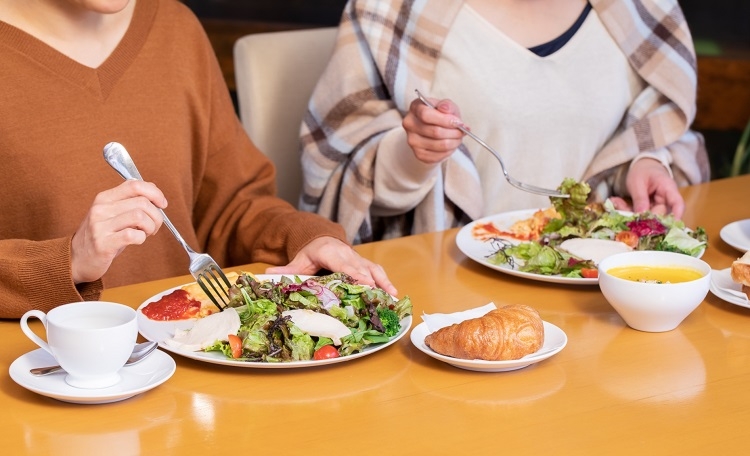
91	340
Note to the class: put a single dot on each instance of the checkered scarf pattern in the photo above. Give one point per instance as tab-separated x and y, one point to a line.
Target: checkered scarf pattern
386	49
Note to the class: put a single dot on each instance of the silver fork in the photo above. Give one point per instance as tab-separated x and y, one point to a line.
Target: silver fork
204	269
514	182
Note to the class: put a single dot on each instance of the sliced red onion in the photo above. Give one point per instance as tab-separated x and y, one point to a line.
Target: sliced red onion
327	297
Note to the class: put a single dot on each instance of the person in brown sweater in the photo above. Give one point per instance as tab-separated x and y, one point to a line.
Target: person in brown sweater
80	74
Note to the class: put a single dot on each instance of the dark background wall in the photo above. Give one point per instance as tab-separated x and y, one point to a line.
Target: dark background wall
725	23
309	12
720	29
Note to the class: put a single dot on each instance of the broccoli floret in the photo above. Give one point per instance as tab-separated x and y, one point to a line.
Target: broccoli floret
391	323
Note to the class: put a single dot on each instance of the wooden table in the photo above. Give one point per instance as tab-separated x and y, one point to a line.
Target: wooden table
612	390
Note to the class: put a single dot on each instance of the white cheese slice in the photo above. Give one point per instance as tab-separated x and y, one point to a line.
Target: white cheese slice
593	249
318	324
206	331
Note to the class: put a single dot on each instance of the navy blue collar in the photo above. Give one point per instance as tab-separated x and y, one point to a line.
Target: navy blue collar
550	47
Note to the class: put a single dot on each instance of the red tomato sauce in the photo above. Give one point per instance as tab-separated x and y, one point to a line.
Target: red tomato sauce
484	231
488	227
177	305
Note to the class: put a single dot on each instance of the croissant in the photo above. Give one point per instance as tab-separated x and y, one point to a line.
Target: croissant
509	332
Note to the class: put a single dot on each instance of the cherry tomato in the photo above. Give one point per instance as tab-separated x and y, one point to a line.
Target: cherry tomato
326	352
235	343
589	273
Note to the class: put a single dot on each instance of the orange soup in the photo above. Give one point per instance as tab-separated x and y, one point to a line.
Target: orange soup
656	274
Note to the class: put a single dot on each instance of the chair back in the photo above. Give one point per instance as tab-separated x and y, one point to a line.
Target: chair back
276	73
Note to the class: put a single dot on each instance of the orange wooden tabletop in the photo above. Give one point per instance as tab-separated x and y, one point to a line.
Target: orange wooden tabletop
612	390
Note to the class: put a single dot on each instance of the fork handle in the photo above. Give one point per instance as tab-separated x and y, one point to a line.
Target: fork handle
468	132
486	146
512	181
176	233
118	158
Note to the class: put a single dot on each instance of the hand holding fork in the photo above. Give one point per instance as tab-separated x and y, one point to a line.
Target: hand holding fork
511	180
203	268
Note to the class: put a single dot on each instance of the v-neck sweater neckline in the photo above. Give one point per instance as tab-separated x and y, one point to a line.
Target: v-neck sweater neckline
98	81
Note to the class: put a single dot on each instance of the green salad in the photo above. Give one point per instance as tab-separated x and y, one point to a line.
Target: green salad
578	219
268	334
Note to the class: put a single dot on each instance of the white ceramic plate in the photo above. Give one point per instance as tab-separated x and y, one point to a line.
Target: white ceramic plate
727	289
737	234
479	250
554	341
158	331
156	369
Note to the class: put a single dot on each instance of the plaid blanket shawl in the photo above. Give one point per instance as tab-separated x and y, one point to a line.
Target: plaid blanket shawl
386	49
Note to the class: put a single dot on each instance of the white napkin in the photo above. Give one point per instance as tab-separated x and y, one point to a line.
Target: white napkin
439	320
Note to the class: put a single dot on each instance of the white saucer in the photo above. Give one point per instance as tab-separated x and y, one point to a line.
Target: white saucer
722	286
737	234
137	378
554	341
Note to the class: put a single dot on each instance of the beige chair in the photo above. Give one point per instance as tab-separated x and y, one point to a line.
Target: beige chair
276	73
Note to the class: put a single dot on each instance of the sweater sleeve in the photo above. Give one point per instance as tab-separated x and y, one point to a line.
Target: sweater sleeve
37	275
342	139
237	215
401	181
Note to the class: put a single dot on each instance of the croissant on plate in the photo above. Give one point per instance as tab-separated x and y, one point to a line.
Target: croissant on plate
507	333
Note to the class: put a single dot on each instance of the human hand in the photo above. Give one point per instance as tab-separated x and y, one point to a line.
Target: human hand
334	255
432	133
652	189
119	217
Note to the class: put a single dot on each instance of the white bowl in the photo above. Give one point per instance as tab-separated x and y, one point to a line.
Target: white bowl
653	307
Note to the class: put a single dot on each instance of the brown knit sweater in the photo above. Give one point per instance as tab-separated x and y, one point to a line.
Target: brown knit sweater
161	94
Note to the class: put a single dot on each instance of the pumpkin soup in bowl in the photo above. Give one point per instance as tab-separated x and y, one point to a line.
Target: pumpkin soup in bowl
654	291
656	274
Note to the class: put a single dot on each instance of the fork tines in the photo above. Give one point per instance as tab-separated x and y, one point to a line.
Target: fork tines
216	285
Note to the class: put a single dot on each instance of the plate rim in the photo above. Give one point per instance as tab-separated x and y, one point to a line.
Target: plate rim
724	235
18	371
420	331
717	291
464	238
220	359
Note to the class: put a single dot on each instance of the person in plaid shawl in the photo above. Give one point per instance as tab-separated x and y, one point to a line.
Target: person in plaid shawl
603	92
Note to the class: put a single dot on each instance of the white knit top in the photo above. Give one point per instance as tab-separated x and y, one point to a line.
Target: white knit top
547	116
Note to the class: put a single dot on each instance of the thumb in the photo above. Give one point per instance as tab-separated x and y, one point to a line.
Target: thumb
619	203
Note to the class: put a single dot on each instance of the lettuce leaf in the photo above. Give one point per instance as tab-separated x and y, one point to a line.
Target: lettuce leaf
547	261
572	208
678	240
301	344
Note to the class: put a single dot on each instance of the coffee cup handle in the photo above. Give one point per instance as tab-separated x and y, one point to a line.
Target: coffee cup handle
30	334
